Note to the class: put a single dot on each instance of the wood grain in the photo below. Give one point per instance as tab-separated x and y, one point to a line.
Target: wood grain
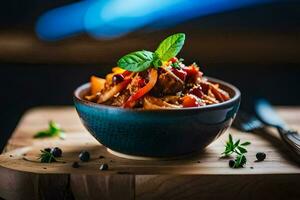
103	187
217	187
194	177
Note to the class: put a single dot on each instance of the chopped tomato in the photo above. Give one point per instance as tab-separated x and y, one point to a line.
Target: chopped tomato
179	73
173	60
97	84
193	71
190	101
144	90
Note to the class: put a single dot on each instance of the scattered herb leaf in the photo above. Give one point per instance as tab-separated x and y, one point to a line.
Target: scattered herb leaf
176	64
52	131
234	147
239	149
240	161
245	143
46	157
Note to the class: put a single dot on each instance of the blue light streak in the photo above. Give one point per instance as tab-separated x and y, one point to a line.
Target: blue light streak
114	18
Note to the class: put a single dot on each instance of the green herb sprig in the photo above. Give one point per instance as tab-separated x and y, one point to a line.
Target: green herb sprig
176	64
235	147
46	157
141	60
53	130
240	161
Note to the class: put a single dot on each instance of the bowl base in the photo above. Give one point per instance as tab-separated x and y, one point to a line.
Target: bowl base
134	157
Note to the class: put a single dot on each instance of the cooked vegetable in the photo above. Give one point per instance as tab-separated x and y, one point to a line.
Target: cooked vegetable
155	80
113	91
97	84
144	90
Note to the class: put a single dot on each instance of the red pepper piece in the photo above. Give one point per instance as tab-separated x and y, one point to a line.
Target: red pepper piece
126	73
144	90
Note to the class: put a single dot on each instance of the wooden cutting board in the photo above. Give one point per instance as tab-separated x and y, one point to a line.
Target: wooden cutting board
203	175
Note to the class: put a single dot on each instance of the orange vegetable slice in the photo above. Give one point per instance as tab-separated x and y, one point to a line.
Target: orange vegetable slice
97	84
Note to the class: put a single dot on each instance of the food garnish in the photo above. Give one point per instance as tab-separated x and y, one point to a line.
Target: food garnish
47	149
103	167
231	163
240	161
56	152
46	157
142	60
235	147
53	130
239	149
260	156
49	155
84	156
156	80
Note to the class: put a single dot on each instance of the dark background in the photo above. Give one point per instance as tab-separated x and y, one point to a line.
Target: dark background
254	48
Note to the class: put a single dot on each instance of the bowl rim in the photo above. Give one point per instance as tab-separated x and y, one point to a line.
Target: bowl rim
236	97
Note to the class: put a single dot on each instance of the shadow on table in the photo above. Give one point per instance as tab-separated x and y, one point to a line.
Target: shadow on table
275	140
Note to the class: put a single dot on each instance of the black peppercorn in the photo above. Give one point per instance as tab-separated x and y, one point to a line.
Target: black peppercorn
84	156
56	152
103	167
231	163
260	156
75	165
118	78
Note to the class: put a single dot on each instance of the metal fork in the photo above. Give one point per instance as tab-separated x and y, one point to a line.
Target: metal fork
246	122
250	123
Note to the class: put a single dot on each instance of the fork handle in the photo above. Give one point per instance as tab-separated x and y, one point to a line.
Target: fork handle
292	139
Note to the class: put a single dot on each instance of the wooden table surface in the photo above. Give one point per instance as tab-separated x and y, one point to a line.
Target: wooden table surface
203	175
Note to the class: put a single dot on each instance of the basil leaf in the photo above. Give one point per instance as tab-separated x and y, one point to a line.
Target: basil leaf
242	150
42	134
245	143
236	144
170	47
230	140
53	130
136	61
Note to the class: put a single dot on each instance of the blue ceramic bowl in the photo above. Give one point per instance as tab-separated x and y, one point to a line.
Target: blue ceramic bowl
157	133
